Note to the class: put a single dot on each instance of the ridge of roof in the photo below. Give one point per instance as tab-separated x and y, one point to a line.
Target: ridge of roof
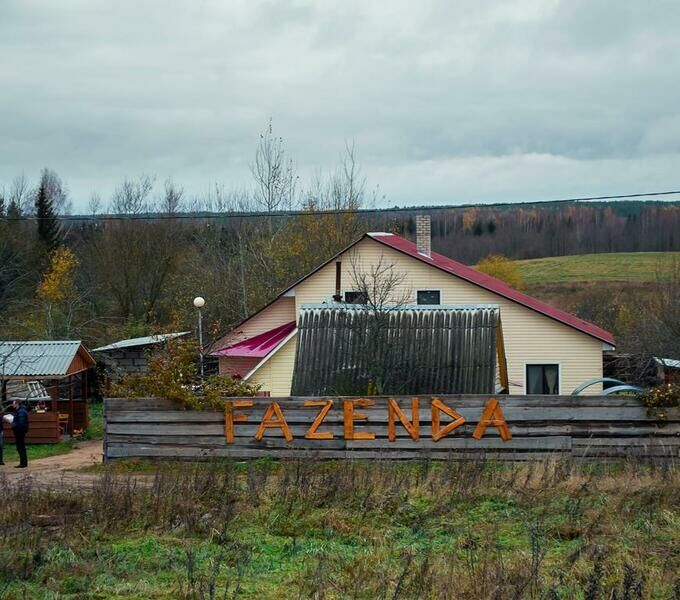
493	285
146	340
462	271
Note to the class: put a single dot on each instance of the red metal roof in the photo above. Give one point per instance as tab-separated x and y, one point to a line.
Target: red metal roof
260	345
492	284
460	270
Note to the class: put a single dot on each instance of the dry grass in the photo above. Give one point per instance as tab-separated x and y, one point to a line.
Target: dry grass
349	530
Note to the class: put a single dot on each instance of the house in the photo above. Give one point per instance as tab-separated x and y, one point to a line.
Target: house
546	350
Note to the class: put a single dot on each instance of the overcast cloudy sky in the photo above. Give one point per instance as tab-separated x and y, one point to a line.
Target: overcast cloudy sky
446	102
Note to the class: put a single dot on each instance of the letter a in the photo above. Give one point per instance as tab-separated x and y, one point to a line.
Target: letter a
269	423
492	417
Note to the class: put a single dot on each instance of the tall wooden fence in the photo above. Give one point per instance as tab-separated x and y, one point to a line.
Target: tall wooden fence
599	428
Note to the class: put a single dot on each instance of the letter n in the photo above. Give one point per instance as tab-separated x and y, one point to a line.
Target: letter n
413	426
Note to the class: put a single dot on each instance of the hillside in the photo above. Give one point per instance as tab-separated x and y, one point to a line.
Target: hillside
620	266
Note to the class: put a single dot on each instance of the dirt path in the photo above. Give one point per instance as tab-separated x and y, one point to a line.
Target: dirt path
61	469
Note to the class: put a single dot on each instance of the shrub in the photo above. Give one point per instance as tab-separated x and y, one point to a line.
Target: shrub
502	268
662	396
173	374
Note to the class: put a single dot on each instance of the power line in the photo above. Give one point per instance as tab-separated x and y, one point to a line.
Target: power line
294	213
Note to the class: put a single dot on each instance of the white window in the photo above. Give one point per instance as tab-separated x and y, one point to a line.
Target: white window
429	297
543	379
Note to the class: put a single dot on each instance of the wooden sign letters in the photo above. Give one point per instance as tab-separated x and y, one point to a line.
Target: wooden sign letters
274	418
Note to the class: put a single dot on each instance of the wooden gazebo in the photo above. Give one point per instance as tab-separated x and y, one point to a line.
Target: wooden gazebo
62	368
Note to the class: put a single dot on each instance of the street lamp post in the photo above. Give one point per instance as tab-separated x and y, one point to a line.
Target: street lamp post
199	303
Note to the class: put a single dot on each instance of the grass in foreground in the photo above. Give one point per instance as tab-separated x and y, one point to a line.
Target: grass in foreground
619	266
299	529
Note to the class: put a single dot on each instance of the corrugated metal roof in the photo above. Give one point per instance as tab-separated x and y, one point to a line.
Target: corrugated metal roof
142	341
668	362
260	345
37	359
404	350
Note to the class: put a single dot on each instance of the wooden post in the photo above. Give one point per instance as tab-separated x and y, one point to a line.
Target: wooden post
69	429
54	393
83	393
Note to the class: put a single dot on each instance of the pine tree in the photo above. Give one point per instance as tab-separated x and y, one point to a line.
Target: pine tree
49	230
13	210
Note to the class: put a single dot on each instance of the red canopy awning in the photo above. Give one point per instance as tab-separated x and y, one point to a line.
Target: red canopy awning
260	345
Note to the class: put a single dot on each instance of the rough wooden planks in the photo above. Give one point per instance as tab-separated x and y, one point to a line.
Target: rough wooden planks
599	428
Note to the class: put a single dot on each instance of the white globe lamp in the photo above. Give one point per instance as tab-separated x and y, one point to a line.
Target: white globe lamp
199	303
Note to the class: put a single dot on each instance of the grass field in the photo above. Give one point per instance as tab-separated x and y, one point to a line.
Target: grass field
622	266
348	530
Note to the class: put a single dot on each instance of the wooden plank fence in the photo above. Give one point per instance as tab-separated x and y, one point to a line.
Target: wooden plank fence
43	428
580	427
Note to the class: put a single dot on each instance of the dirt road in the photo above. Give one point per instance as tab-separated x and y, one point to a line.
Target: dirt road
62	469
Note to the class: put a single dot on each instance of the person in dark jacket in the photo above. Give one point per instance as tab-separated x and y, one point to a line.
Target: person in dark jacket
20	429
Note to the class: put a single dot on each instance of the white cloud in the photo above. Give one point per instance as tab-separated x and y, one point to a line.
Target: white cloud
445	101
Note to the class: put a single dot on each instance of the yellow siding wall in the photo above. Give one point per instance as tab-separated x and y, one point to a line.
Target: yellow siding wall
282	311
276	375
529	336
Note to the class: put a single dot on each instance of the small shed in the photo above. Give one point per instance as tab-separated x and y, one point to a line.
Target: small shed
130	357
59	368
667	370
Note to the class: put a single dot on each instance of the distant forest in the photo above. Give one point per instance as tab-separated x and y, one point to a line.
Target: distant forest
535	231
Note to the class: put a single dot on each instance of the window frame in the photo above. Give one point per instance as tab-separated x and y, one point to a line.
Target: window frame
344	297
429	290
543	363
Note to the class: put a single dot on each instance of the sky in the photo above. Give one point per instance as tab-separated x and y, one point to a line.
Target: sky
445	102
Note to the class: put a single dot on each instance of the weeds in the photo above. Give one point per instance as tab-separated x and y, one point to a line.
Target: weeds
303	529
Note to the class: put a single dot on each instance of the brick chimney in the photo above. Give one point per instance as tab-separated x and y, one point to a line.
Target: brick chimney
423	234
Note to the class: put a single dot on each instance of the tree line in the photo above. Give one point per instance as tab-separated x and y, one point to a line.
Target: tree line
135	270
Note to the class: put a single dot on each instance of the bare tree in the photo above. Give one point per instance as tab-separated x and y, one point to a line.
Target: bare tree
274	175
172	201
132	197
21	194
380	290
94	204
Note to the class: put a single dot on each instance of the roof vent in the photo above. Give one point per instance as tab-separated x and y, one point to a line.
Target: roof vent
423	235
